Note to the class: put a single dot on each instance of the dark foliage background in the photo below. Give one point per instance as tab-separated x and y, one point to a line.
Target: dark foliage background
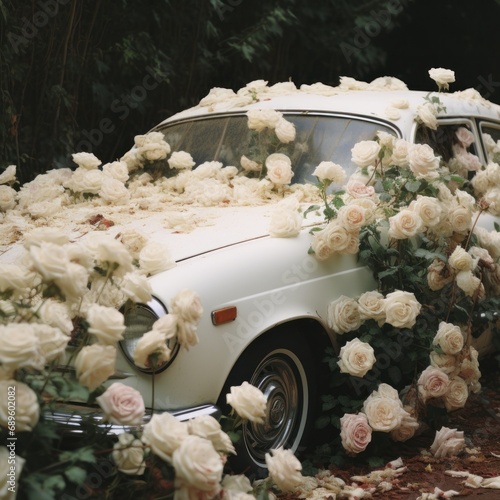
88	75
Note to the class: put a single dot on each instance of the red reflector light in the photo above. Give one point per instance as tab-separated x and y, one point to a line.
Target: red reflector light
224	315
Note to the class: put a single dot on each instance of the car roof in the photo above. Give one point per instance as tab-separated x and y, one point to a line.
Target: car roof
385	98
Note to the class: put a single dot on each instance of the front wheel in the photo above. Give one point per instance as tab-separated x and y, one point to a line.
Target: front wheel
282	368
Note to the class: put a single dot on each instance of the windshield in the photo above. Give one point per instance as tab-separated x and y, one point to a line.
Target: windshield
318	138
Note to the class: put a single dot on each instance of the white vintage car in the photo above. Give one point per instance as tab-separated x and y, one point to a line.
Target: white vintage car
265	298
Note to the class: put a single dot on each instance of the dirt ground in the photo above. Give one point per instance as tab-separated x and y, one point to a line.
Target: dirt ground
480	421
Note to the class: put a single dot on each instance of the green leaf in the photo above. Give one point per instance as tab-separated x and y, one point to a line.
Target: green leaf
84	454
322	422
413	186
76	474
312	208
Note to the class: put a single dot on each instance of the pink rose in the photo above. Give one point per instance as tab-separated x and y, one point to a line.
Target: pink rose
355	432
433	383
122	404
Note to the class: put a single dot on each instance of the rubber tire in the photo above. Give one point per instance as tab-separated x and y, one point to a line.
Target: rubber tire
282	367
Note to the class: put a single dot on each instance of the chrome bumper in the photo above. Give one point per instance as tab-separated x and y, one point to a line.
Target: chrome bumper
72	419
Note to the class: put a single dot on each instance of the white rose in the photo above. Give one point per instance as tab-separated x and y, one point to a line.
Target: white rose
19	346
449	337
8	175
428	209
320	245
365	153
492	199
51	341
136	287
405	224
445	362
164	434
447	442
460	218
94	364
284	469
151	348
337	236
248	401
442	77
406	429
400	153
480	182
197	465
106	323
166	325
74	283
356	358
372	306
208	427
358	189
469	369
56	314
426	113
383	414
460	260
279	168
87	161
154	151
128	455
87	181
106	250
181	160
343	315
7	198
114	192
285	131
134	241
49	259
456	395
467	282
236	486
438	275
259	119
122	404
27	410
117	170
401	309
155	258
352	217
186	305
285	222
14	278
432	383
355	432
423	163
250	165
329	171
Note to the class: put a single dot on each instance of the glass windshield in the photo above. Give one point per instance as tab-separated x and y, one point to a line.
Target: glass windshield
318	138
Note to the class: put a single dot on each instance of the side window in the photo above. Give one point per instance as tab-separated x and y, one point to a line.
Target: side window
490	135
456	144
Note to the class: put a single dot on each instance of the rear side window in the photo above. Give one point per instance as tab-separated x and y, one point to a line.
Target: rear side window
490	135
457	145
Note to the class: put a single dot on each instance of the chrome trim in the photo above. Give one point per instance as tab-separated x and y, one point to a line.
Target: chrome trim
69	418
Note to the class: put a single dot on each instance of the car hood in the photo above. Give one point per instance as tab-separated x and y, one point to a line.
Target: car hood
187	232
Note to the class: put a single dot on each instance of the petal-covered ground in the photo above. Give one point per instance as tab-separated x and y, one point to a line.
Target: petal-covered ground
421	476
